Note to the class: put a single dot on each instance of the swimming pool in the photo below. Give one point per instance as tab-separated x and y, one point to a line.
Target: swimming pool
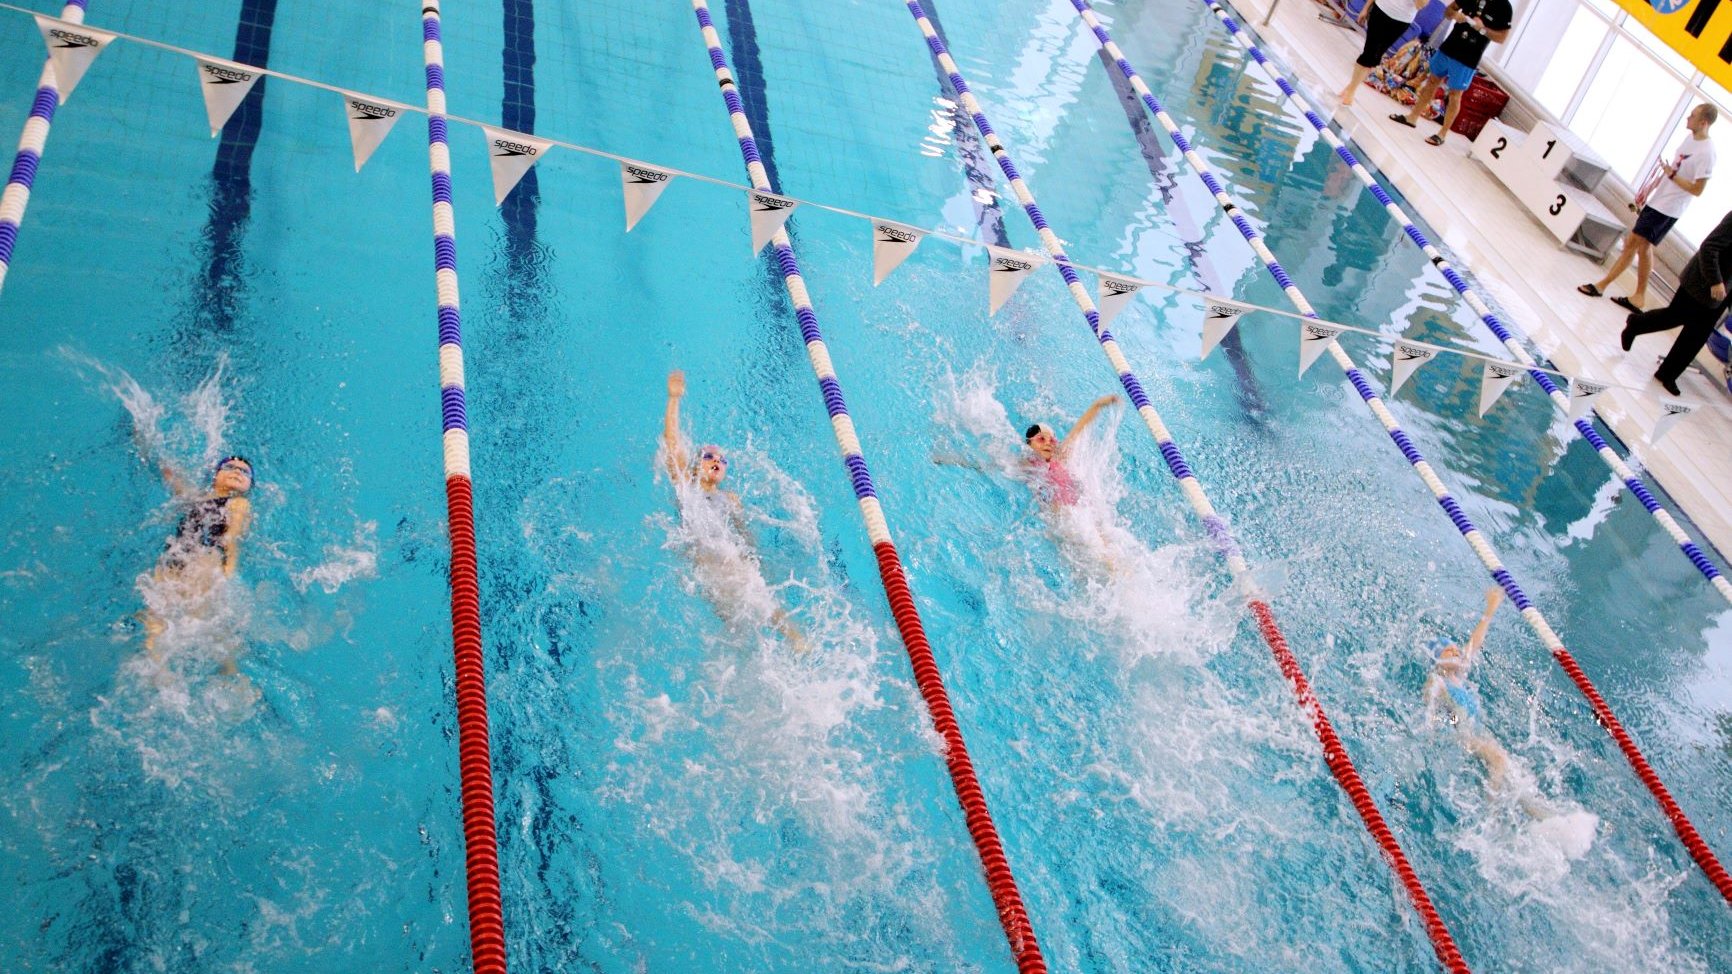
676	794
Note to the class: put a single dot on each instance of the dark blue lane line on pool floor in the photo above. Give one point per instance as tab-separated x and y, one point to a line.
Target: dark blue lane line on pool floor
231	199
517	113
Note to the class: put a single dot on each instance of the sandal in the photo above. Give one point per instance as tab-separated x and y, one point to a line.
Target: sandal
1590	290
1627	304
1398	117
1435	140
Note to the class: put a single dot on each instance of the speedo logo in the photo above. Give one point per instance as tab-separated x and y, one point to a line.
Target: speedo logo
1503	371
69	39
364	110
1316	334
1120	287
507	147
767	203
1005	264
894	235
1222	311
1408	353
220	75
646	175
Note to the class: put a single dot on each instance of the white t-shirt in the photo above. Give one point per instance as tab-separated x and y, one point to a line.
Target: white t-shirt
1402	10
1695	160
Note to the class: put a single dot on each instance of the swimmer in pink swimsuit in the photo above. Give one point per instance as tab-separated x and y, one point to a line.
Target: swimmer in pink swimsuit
1054	481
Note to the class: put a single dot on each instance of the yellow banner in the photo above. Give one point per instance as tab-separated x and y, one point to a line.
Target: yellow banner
1701	30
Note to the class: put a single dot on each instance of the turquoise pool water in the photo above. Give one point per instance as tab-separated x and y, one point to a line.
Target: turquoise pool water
677	793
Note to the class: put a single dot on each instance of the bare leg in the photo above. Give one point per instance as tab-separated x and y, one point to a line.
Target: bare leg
1624	257
1451	108
1644	264
1488	750
1422	100
1360	73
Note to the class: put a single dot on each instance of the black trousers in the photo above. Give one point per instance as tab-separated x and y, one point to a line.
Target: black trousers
1697	321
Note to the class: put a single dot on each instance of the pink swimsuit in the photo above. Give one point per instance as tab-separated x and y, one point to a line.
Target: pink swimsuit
1057	486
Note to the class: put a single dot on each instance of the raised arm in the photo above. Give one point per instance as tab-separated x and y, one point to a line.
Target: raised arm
1493	598
1085	419
676	456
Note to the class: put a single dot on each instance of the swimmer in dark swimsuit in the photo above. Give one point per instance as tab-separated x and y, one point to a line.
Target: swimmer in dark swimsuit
707	474
205	547
1053	480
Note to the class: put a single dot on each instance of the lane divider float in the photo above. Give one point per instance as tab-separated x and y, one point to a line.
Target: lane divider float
486	917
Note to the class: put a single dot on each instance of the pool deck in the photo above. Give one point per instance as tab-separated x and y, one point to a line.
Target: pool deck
1521	267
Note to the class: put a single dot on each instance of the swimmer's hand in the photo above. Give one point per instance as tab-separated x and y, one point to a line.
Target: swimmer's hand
676	383
951	460
1493	598
1105	401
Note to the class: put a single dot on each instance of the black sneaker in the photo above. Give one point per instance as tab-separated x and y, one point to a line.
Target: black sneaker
1669	385
1625	338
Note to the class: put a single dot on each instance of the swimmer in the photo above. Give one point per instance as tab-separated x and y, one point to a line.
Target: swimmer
707	474
1045	462
205	548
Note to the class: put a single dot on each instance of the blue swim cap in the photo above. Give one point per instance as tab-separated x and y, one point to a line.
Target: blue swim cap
1434	647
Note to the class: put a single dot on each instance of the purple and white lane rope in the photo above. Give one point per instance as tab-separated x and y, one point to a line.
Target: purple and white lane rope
31	144
1692	840
1335	754
1000	881
1417	237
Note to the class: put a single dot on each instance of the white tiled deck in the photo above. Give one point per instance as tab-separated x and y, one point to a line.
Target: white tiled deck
1521	266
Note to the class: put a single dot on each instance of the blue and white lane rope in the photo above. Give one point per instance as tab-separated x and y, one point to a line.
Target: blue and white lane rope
1334	751
1687	832
475	765
1000	882
1559	396
31	143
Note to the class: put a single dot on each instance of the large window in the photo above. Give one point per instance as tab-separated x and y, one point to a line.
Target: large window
1562	72
1626	108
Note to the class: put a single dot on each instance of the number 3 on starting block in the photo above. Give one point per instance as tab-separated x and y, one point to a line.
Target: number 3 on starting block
1528	165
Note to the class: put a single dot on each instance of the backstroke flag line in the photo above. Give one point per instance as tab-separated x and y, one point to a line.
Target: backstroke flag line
1112	294
225	85
1008	268
72	47
1404	360
642	185
511	154
369	122
891	245
1219	317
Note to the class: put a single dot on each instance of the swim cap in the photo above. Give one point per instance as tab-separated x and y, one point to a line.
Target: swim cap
1032	430
234	456
1434	647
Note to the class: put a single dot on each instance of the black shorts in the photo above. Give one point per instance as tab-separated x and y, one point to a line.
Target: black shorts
1381	32
1652	225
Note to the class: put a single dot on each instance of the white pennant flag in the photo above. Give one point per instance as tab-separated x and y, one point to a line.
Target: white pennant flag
643	185
891	245
1008	268
1313	339
511	154
1670	413
1219	317
1114	293
71	47
1405	359
369	122
1493	381
225	85
1582	393
769	212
